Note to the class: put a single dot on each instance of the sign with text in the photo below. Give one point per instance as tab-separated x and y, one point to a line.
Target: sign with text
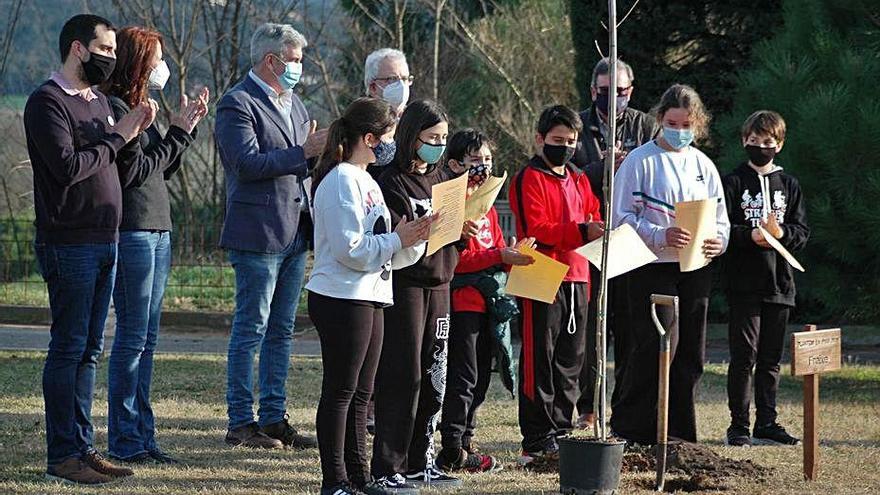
815	352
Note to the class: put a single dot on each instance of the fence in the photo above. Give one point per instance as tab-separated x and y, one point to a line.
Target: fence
201	278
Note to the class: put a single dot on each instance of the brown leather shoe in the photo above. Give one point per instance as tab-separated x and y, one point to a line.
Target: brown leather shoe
288	435
97	462
74	470
250	436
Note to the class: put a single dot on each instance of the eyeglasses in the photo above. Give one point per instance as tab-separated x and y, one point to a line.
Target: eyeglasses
603	90
406	79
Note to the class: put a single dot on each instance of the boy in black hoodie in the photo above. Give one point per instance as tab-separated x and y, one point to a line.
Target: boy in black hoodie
760	283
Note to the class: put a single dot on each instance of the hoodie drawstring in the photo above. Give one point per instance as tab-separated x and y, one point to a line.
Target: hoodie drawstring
572	326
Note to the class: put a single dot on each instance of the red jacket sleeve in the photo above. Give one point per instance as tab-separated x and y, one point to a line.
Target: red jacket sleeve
539	221
591	202
474	258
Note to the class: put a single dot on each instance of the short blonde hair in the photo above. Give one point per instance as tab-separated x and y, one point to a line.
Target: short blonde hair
765	123
684	96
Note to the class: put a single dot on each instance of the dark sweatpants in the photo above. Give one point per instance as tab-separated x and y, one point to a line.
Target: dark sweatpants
587	378
467	377
756	333
351	341
411	380
549	365
634	414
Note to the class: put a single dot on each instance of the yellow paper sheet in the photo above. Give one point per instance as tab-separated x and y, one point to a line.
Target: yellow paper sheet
539	281
626	251
448	199
481	201
781	249
698	218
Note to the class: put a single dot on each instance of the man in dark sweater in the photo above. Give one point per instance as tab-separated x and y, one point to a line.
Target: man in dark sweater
72	141
634	128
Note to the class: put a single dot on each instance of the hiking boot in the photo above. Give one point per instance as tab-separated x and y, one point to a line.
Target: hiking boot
432	477
251	437
774	433
390	485
344	488
288	435
97	462
585	421
461	460
738	436
74	470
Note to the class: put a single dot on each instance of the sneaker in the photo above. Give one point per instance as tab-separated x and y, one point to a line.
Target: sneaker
546	460
251	437
470	446
344	488
97	462
74	470
738	436
160	457
774	433
461	460
585	421
288	435
390	485
432	477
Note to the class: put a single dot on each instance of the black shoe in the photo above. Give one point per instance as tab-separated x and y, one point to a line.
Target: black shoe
452	460
432	477
344	488
160	457
774	433
288	435
738	436
142	458
390	485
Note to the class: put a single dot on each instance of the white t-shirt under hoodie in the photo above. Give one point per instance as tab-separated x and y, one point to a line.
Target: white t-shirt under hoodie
353	238
649	183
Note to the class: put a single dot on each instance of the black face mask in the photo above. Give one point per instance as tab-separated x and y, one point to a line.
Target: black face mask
98	68
558	154
760	156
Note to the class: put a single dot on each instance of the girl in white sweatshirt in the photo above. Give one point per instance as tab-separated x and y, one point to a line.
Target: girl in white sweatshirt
350	284
652	179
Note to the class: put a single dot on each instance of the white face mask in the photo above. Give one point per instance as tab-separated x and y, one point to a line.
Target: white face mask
159	76
396	94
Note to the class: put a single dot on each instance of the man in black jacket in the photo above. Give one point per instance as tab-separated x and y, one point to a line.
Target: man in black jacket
634	128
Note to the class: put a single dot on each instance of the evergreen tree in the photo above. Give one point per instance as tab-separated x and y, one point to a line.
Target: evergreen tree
820	71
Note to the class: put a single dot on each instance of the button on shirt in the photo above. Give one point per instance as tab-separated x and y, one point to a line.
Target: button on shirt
283	102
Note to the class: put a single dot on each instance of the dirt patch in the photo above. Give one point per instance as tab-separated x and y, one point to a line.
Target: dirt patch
692	467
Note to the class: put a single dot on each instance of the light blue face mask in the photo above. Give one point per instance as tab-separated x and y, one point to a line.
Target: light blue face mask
431	153
678	138
291	75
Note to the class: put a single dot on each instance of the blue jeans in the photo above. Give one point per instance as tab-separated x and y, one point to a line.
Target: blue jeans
80	282
141	274
267	288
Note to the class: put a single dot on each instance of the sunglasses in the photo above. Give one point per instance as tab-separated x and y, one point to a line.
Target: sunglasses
603	90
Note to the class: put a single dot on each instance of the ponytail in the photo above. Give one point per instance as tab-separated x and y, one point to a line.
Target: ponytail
336	149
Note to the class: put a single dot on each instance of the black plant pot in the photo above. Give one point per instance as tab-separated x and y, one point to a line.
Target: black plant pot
588	466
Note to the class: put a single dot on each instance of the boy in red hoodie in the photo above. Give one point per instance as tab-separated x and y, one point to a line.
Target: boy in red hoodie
552	201
473	321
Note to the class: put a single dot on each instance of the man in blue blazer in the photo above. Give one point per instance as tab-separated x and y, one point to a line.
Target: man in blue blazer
265	139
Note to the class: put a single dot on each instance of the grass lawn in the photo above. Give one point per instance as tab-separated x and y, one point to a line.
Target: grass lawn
190	407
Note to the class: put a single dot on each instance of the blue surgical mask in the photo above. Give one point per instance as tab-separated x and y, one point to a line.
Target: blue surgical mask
678	138
431	153
384	152
291	75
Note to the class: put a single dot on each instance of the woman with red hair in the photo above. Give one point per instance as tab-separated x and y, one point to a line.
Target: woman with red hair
144	252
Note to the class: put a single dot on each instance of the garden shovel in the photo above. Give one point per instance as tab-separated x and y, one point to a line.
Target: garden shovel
663	386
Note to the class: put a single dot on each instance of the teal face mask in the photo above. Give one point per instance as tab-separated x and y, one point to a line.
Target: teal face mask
678	138
291	75
430	153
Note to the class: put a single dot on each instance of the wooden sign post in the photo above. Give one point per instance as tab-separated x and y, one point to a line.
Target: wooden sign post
813	352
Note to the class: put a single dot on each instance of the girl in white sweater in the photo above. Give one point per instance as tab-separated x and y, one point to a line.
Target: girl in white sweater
350	284
652	179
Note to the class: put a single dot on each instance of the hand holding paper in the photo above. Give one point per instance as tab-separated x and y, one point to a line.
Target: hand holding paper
539	281
775	244
447	199
698	219
626	251
479	203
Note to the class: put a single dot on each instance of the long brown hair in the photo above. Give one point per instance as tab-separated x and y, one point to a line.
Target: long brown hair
135	48
686	97
363	116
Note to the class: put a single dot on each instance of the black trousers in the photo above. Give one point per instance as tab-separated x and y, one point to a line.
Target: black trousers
550	362
467	377
411	380
351	342
587	379
634	413
756	332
